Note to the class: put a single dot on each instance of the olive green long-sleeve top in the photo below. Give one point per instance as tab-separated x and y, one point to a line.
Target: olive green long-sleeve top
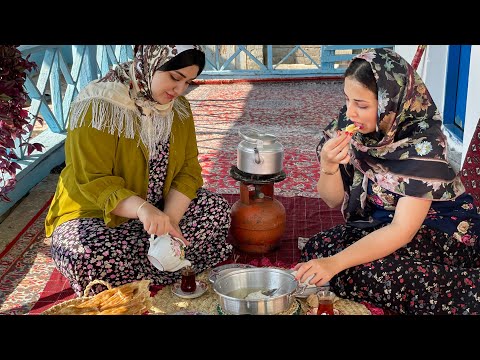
103	169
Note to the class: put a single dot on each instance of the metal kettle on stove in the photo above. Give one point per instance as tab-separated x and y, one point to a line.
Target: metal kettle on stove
259	153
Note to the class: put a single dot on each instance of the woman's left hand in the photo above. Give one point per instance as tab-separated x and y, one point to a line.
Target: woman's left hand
323	270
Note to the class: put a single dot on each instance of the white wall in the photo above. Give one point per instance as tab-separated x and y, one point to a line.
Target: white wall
432	69
472	114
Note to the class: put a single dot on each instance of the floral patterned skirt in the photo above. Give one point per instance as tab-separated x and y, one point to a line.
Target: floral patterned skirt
433	274
86	249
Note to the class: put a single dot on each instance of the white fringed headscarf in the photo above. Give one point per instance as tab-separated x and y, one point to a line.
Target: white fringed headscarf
124	94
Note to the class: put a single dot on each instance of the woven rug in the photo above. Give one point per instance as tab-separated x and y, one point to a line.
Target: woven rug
165	302
294	111
25	267
29	282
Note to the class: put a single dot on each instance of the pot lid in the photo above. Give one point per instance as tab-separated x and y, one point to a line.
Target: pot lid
253	135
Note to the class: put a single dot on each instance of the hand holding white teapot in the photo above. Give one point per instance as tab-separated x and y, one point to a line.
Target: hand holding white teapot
167	253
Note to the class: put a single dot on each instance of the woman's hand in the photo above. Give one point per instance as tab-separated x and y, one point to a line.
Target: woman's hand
335	152
176	226
323	270
157	222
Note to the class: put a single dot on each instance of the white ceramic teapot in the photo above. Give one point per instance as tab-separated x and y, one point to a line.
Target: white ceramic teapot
167	253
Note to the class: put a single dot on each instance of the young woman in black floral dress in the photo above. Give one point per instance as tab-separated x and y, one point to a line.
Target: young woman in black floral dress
132	170
411	238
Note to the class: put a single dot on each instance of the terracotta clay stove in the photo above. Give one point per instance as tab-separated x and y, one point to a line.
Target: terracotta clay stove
258	219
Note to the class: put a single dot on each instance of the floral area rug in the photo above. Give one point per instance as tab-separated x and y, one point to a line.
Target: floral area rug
30	284
25	267
294	111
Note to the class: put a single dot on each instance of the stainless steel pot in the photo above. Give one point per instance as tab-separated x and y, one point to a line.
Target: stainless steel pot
259	153
233	287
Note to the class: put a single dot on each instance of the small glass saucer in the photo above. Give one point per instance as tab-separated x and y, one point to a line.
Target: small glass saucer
200	290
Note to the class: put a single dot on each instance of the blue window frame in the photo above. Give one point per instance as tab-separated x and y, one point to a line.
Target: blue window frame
456	89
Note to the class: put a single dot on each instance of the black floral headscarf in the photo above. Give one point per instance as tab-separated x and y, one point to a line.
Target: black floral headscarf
408	153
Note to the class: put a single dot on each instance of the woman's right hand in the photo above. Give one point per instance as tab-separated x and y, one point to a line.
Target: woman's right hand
321	271
157	222
335	152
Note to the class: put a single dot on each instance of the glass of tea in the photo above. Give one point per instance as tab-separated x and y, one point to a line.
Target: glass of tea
188	283
325	302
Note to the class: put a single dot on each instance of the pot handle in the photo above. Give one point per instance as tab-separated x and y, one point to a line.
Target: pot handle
298	291
246	137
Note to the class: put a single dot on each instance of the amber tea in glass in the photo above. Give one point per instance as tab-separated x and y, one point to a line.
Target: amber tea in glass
188	283
325	307
325	302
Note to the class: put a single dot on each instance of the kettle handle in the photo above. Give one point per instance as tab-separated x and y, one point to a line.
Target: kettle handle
258	160
245	137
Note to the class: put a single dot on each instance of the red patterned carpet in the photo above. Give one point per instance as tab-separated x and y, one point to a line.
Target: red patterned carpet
29	283
295	111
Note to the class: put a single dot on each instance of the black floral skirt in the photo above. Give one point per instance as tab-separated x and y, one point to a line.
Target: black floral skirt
433	274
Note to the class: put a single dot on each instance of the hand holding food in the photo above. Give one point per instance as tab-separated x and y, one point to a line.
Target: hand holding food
334	152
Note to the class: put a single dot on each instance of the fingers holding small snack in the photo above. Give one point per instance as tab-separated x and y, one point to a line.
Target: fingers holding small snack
351	129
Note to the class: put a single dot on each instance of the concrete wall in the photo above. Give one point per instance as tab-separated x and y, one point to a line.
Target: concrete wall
244	62
298	57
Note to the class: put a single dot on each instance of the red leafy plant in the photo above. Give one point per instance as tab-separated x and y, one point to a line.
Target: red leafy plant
14	122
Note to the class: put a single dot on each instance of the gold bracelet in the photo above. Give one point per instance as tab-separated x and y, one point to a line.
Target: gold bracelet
329	173
138	209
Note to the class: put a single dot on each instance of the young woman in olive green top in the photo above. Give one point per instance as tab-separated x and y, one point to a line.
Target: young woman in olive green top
131	171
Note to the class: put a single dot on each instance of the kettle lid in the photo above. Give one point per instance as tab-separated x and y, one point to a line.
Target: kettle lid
253	135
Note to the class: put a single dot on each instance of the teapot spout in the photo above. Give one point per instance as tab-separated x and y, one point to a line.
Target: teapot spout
183	263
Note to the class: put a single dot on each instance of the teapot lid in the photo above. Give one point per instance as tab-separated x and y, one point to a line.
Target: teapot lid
253	135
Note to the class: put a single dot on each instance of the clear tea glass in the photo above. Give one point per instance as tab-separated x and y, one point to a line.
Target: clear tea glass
325	302
188	283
